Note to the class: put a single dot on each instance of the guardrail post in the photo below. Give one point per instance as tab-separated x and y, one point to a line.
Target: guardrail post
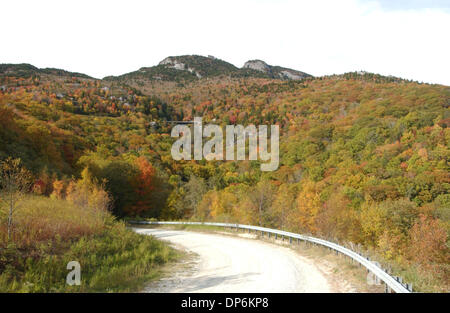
409	287
290	240
276	236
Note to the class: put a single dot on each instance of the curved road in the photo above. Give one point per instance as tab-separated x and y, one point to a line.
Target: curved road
233	264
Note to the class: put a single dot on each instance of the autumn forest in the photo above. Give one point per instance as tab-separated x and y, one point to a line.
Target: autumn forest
364	158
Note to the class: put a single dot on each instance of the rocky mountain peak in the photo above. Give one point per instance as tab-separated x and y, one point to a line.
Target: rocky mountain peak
257	65
275	71
191	67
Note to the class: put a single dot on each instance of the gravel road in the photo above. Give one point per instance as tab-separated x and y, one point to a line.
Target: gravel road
232	264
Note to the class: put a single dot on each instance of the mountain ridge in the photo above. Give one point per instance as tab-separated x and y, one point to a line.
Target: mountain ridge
175	69
26	70
192	67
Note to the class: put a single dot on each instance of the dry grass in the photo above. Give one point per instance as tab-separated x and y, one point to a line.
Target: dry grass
39	219
49	233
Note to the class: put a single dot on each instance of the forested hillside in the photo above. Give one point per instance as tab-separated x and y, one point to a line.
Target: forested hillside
364	159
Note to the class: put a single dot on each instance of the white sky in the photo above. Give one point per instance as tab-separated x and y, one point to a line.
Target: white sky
409	39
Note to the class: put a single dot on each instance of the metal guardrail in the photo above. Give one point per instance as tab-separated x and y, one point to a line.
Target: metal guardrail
395	284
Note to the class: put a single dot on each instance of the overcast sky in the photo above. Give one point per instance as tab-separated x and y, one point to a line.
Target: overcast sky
406	38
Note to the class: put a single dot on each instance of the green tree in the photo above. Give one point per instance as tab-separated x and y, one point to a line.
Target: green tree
15	181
